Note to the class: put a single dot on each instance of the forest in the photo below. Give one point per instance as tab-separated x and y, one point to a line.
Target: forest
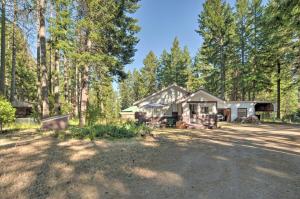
64	56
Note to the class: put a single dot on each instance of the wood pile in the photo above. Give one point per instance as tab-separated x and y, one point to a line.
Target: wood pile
181	125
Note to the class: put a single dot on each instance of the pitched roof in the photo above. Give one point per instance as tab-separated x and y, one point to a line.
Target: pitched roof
162	90
131	109
200	90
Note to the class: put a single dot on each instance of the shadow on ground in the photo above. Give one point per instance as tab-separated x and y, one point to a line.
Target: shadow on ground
232	162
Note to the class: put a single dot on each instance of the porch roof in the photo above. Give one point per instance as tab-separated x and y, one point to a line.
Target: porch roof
198	92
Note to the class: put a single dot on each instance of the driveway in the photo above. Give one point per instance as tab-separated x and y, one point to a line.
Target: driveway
233	162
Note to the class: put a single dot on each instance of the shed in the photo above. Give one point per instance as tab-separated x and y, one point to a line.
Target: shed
129	113
23	109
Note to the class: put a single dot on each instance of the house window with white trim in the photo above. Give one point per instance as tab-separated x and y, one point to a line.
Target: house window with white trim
193	108
205	110
242	112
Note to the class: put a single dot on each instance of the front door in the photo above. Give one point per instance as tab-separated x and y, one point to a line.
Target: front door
227	114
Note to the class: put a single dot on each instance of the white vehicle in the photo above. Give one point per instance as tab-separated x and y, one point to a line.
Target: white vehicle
220	117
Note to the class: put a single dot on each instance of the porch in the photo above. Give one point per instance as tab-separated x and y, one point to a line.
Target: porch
203	113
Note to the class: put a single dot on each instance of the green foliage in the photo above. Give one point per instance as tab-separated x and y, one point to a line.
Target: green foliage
173	66
217	28
7	112
66	108
126	130
104	102
148	74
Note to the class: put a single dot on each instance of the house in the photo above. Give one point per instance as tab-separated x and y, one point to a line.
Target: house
197	107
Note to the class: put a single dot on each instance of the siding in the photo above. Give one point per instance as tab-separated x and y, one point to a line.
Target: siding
168	98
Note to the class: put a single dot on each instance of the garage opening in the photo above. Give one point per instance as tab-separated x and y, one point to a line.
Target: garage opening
263	110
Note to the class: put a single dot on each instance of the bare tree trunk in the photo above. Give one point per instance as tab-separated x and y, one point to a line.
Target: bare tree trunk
78	92
74	91
38	66
84	89
65	79
50	69
56	83
50	55
3	30
14	52
44	78
223	74
278	88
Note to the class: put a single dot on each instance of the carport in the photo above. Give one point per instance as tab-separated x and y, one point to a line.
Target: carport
263	107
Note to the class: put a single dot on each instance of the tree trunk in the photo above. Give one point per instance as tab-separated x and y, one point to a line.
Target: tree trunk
74	92
223	74
56	83
38	66
50	55
78	91
50	69
14	49
278	88
84	89
66	93
3	30
44	78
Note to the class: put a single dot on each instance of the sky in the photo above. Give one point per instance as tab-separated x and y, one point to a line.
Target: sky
161	21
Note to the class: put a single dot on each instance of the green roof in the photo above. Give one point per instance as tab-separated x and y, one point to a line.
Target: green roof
131	109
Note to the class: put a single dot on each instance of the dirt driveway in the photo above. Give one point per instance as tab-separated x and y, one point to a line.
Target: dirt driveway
234	162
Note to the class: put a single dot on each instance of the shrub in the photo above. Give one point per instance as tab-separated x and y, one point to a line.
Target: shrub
7	112
126	130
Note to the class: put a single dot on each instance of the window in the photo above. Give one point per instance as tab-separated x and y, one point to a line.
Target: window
193	108
242	112
204	110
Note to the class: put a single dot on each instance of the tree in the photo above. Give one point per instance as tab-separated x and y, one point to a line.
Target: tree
43	63
137	85
61	30
257	80
125	89
7	112
148	73
242	32
278	51
199	74
216	26
3	46
108	41
14	49
173	66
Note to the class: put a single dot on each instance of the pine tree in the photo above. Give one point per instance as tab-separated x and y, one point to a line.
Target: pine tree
3	46
242	32
174	66
125	88
216	26
14	56
278	51
148	73
198	74
256	80
43	64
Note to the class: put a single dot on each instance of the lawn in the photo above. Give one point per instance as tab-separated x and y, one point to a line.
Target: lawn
235	161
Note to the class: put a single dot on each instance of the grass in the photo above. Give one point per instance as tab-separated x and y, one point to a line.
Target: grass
20	126
112	130
277	121
118	130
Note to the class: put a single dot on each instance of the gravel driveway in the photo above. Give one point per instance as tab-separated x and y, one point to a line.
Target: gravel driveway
233	162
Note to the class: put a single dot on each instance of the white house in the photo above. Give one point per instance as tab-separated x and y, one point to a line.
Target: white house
175	101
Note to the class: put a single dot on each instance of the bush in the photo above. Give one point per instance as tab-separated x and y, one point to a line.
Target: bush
7	112
126	130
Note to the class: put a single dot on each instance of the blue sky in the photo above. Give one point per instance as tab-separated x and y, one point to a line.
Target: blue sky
161	21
